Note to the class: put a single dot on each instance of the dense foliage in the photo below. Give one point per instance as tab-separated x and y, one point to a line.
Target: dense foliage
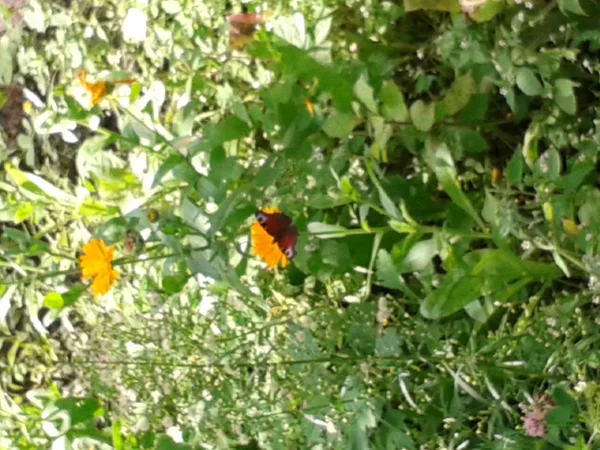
437	157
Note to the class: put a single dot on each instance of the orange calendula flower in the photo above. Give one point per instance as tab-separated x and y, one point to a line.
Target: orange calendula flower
274	237
96	262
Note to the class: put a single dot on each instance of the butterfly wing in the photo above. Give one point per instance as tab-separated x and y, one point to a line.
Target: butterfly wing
282	229
287	243
276	224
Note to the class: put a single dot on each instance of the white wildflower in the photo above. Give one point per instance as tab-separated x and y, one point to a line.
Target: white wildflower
135	26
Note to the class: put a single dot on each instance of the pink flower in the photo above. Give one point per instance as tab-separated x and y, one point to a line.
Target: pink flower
535	423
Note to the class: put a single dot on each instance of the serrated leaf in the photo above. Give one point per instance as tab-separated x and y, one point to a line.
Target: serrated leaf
422	115
528	82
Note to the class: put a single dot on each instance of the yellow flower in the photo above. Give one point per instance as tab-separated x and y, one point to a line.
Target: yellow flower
265	246
96	262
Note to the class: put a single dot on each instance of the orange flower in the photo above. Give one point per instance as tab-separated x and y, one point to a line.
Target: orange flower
265	246
96	262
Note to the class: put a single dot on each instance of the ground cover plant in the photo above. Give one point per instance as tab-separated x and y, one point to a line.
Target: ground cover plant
281	225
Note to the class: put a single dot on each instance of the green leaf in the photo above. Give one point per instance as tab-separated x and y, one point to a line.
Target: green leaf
178	166
364	93
117	439
490	209
6	64
326	230
422	115
339	125
565	95
385	199
464	141
452	6
387	274
505	266
579	445
549	164
23	212
446	175
488	10
172	284
80	409
420	255
73	294
229	129
166	443
37	185
528	82
576	176
565	410
451	296
459	94
514	170
393	104
571	6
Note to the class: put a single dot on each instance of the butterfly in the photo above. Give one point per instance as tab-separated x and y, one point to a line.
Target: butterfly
93	93
242	28
274	236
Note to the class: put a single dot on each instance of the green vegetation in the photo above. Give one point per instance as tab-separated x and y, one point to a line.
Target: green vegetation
437	157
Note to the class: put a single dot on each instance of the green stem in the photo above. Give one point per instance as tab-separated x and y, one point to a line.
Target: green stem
468	234
347	232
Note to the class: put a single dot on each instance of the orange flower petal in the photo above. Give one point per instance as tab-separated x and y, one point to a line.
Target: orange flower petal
264	246
96	262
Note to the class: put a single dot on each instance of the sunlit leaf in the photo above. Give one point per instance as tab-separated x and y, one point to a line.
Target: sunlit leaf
528	82
422	115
